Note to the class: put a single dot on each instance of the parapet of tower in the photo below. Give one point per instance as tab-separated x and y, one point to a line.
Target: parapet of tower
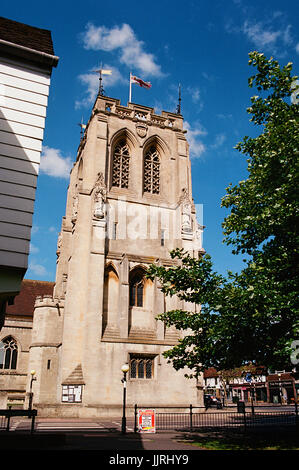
143	117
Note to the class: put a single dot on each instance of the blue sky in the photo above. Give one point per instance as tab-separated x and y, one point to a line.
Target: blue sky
202	45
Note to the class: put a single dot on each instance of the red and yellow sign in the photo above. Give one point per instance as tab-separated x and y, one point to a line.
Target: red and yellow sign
146	421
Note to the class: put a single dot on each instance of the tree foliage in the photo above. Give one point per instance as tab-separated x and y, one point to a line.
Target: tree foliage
251	316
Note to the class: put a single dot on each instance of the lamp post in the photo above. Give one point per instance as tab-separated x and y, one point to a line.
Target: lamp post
253	395
279	385
124	369
32	373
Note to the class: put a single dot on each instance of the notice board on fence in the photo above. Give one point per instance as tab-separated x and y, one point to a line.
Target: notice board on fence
146	420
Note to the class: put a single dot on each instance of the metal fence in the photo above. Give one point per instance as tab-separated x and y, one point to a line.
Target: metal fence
7	414
195	418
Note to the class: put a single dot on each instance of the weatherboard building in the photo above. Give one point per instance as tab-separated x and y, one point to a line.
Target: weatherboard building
26	62
129	203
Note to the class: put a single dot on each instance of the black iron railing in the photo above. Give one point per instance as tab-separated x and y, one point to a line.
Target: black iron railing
10	413
192	417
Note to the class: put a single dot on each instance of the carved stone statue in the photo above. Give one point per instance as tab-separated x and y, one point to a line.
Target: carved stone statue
100	195
186	212
198	235
75	208
186	218
59	243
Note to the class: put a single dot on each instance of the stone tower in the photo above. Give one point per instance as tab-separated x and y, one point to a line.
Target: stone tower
129	203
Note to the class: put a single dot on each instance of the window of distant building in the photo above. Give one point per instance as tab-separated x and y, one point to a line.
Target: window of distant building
8	353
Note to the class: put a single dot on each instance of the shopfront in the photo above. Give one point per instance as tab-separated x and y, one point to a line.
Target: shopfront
245	392
281	388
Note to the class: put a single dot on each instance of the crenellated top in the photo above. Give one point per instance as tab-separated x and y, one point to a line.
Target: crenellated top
48	301
143	116
136	112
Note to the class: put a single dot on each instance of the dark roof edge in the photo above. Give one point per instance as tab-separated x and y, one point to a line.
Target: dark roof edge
37	280
28	53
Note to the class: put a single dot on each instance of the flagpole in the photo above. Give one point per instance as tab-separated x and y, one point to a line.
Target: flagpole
130	92
101	90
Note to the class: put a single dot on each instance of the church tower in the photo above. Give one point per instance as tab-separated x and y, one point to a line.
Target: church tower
129	203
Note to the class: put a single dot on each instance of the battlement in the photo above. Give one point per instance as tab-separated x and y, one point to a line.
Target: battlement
136	112
48	301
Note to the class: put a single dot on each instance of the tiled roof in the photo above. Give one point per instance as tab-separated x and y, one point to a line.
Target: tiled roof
211	372
283	376
24	302
26	36
255	370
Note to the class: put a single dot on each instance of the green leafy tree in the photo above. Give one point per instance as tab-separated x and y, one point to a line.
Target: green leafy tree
263	221
251	316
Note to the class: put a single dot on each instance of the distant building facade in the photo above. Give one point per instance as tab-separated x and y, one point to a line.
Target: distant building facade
26	61
129	203
278	387
15	342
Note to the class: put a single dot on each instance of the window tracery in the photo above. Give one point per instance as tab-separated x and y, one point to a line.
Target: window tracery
120	169
141	367
8	353
137	288
151	183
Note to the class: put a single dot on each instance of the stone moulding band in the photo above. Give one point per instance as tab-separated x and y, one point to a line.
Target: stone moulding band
45	345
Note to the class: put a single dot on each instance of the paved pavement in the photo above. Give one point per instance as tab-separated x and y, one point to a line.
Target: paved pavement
89	435
100	434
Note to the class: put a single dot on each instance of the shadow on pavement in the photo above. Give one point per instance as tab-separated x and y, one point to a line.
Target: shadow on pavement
91	440
110	440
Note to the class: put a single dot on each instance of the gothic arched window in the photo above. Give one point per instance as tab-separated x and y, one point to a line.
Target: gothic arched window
136	289
151	182
120	168
8	353
141	367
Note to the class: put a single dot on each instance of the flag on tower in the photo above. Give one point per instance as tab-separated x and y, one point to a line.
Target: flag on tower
140	82
137	81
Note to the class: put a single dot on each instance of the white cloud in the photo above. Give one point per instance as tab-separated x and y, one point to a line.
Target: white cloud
37	269
196	97
102	38
195	94
271	33
34	229
209	77
219	141
121	39
91	80
33	249
194	135
224	116
286	35
54	164
260	36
